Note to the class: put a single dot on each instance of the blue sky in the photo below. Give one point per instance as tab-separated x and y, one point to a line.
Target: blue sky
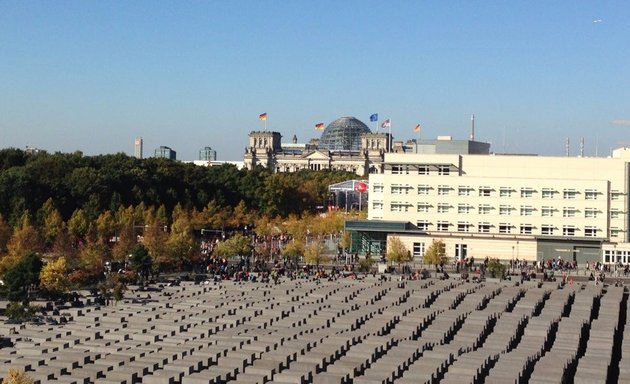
93	75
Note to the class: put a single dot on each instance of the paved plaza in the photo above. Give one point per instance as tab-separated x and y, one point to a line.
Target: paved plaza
368	331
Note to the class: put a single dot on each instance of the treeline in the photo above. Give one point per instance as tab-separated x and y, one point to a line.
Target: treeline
97	184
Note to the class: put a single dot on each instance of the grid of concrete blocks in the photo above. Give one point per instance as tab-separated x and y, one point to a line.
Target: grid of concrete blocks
368	331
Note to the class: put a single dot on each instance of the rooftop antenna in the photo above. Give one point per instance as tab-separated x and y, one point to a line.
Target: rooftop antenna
582	147
472	127
567	147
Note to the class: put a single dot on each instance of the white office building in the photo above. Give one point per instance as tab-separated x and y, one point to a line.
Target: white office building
500	206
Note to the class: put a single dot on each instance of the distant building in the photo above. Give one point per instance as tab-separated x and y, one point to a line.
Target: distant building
207	163
137	148
165	152
32	150
207	154
346	144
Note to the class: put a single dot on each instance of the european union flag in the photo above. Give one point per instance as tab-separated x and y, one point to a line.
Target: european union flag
374	117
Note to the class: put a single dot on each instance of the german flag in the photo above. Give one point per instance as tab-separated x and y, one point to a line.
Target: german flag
262	116
319	126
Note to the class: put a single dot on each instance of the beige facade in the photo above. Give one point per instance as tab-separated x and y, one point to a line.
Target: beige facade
265	149
508	206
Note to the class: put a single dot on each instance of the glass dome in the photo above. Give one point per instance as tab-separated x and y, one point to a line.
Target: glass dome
343	134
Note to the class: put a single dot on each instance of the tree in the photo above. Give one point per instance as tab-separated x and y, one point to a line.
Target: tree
54	276
397	252
496	268
5	234
141	261
25	239
50	221
78	225
314	254
237	245
22	276
15	376
436	254
292	252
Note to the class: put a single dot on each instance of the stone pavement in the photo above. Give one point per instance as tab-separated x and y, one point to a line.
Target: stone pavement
345	331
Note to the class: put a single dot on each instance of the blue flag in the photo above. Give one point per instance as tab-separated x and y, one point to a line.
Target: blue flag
374	117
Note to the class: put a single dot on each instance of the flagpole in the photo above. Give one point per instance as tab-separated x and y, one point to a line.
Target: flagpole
390	134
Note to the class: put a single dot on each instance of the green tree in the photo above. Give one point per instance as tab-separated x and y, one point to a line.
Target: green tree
21	277
5	234
50	221
397	252
436	254
496	268
78	225
141	261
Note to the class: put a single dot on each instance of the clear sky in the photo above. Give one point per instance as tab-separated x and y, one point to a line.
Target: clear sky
93	75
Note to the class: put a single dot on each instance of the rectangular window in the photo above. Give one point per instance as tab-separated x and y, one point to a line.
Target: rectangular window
399	189
443	190
568	212
615	232
463	191
546	211
505	210
590	194
484	227
526	229
527	193
615	214
485	191
396	206
398	169
547	193
463	208
607	256
569	194
484	209
444	170
615	195
568	230
378	188
590	213
590	231
527	210
505	192
418	250
546	229
423	189
422	225
423	207
377	205
423	170
505	228
443	207
442	226
463	227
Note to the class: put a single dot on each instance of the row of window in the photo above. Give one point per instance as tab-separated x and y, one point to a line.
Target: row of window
525	192
507	228
486	209
401	169
616	256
